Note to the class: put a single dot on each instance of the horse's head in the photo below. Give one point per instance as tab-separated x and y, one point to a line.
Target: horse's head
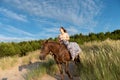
44	50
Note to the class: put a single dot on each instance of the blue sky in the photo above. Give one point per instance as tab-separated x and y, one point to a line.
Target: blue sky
40	19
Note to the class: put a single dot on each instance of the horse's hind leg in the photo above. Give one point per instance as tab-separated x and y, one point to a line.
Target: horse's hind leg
67	70
61	71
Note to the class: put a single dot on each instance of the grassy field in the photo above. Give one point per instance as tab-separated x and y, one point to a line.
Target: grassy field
9	62
99	61
47	67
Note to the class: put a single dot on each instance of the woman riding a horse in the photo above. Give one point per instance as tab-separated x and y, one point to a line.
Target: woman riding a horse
62	53
72	47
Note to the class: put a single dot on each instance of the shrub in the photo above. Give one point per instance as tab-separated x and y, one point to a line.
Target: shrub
7	49
25	47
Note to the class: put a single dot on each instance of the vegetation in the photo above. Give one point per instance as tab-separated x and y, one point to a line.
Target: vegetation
11	61
100	60
80	38
22	48
48	67
8	62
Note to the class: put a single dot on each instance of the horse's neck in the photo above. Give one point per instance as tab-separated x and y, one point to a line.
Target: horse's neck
59	50
54	47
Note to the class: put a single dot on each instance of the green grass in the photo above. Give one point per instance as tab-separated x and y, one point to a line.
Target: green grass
48	67
36	73
100	61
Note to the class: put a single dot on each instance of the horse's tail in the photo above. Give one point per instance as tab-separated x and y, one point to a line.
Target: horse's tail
79	57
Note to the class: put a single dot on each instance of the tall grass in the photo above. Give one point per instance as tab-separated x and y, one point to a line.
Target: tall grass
48	67
31	57
8	62
11	61
100	60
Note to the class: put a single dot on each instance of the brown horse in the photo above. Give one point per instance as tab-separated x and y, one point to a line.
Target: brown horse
61	55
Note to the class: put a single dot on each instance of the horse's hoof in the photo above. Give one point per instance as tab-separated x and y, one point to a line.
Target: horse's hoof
71	78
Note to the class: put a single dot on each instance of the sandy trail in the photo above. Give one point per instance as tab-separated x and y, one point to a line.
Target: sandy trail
12	74
18	73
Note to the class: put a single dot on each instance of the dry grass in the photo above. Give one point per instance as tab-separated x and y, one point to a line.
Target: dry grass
31	57
100	60
47	67
9	62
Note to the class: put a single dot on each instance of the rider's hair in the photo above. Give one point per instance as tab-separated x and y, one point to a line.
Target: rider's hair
63	29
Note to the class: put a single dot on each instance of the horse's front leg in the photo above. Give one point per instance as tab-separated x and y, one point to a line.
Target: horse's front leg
67	70
61	71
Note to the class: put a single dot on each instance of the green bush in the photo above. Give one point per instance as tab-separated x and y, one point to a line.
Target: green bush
25	47
35	45
21	48
7	49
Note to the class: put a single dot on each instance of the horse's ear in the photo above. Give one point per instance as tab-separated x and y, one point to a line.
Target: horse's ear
46	41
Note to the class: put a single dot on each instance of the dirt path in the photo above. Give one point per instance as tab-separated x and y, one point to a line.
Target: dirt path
15	74
19	71
12	74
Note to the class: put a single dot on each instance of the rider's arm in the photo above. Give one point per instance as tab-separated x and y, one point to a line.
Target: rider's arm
67	37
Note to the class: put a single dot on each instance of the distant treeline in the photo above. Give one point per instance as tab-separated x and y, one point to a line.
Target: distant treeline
80	38
21	48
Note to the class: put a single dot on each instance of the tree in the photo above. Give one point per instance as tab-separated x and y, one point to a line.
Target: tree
93	36
35	45
7	49
25	47
101	36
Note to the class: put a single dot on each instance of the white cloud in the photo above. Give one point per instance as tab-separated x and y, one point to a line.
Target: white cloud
4	38
13	15
77	12
14	30
51	30
72	30
18	31
48	32
45	21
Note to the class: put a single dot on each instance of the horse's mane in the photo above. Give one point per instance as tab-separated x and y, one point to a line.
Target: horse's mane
58	43
54	42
